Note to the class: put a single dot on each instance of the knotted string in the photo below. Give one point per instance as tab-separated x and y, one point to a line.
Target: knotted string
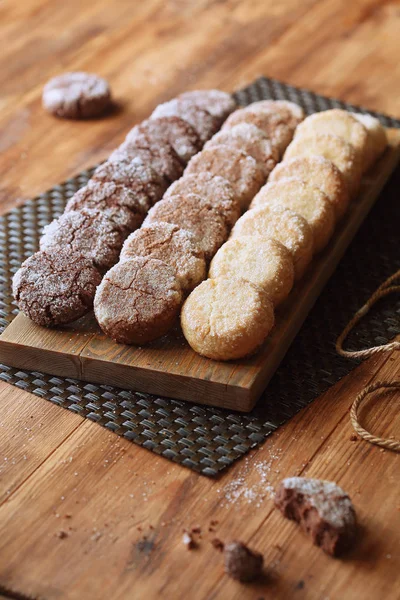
383	290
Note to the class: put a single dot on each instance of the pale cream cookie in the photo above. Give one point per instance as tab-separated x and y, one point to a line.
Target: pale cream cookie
305	199
227	319
336	122
335	149
283	225
376	141
266	263
318	171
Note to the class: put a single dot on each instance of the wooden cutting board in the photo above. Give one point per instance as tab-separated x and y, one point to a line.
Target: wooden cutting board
168	366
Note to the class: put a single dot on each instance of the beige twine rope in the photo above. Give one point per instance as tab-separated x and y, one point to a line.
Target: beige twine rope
383	290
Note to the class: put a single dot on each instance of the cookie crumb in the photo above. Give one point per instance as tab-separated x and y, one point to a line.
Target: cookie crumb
218	544
241	563
62	534
196	529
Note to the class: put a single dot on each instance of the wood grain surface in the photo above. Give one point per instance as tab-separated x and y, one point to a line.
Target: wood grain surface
168	366
122	508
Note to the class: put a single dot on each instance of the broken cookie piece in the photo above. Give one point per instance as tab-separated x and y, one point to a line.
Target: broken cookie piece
241	563
322	509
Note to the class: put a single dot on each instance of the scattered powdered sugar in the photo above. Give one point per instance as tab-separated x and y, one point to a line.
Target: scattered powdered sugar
253	485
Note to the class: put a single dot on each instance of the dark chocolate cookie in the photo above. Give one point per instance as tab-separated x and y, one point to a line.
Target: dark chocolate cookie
174	130
87	232
323	510
116	202
55	286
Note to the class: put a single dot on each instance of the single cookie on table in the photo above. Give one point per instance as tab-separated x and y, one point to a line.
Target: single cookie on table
225	319
337	122
138	300
116	202
161	157
251	140
323	510
283	225
335	149
305	199
212	188
195	214
320	172
87	232
243	172
76	95
241	563
266	263
219	104
271	123
176	247
141	179
376	141
173	130
55	287
203	122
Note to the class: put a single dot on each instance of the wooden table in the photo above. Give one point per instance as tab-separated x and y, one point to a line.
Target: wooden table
121	507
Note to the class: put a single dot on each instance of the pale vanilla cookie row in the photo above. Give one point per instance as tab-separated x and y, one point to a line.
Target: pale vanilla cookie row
292	217
185	229
100	216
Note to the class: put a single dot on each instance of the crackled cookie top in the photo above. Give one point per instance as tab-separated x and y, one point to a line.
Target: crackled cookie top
54	287
138	300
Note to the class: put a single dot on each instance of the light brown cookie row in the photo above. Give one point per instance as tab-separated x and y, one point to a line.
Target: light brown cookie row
202	206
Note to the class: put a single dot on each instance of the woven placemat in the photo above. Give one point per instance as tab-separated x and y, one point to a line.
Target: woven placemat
205	439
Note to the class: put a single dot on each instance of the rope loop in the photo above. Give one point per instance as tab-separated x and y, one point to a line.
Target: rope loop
383	290
354	415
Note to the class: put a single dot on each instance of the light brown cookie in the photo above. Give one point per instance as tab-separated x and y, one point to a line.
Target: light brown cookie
196	215
266	263
291	112
283	225
138	300
212	188
173	130
318	171
143	181
335	149
251	140
160	156
337	122
76	95
376	141
217	103
226	319
242	171
271	123
305	199
116	202
86	232
176	247
54	288
203	122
